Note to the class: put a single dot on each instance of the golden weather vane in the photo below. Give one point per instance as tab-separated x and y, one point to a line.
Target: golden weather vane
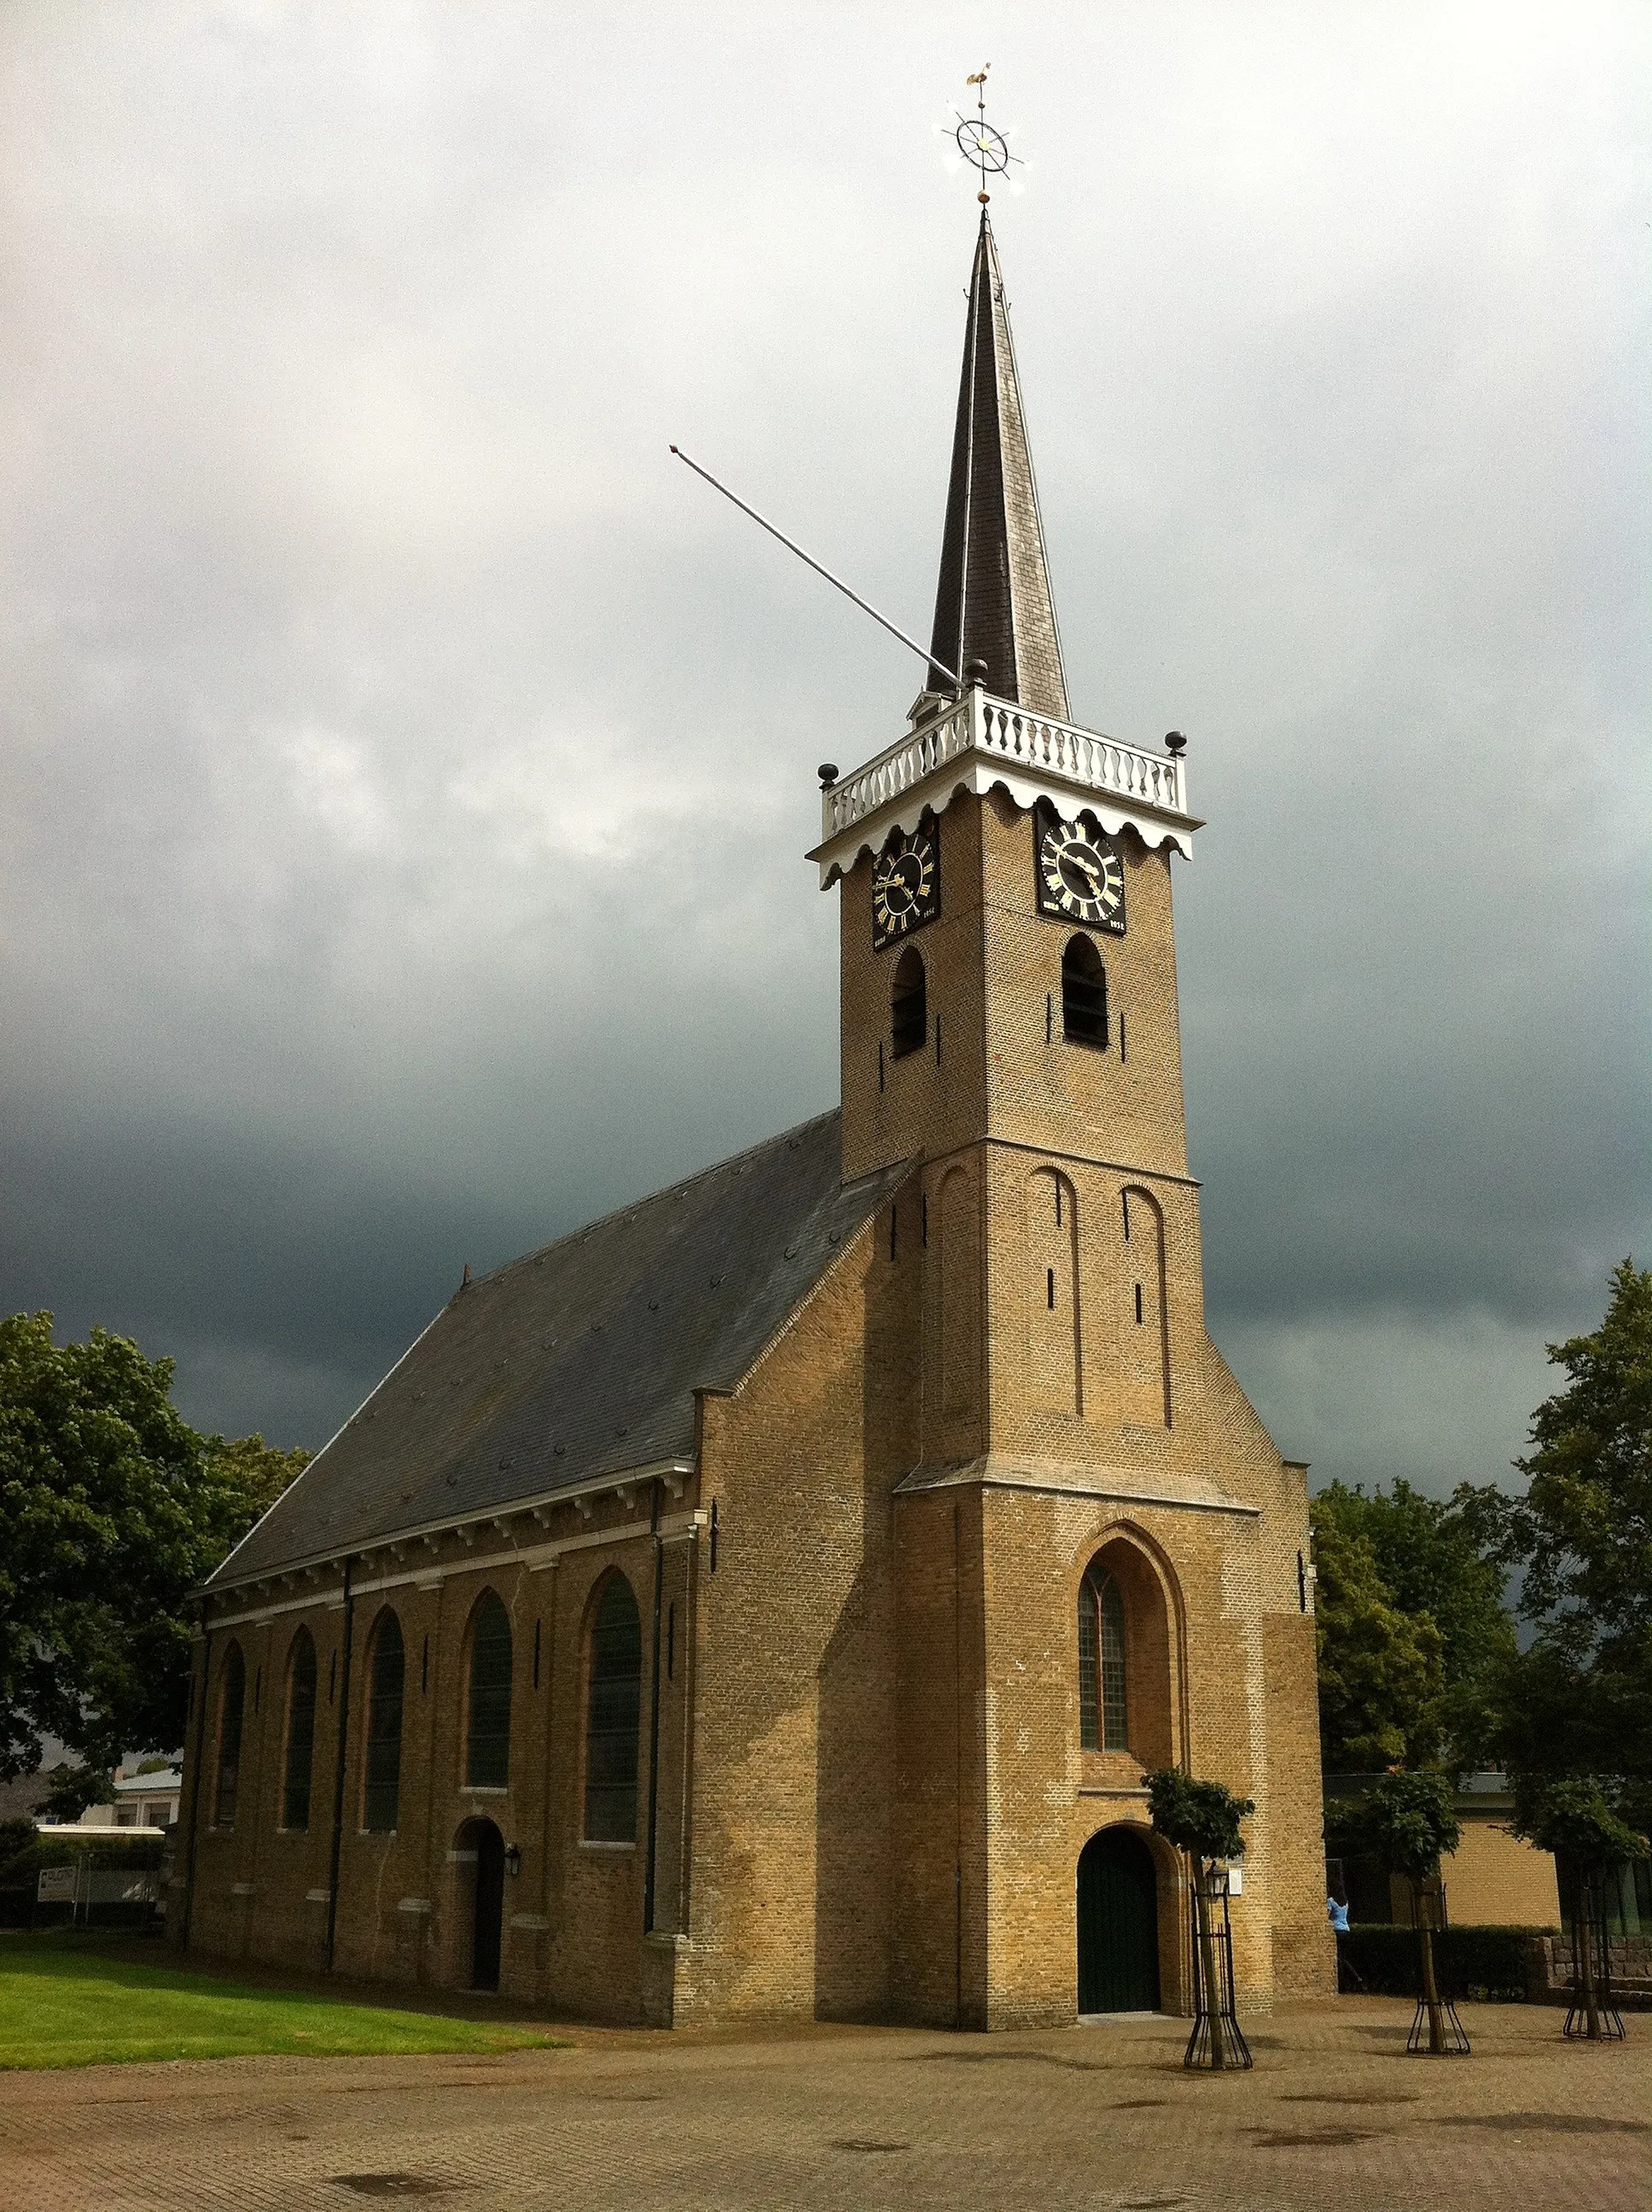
981	146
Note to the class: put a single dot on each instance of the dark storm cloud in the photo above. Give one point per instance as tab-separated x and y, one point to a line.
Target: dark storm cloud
407	767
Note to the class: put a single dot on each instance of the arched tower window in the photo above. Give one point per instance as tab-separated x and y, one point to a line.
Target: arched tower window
613	1716
381	1798
1083	994
488	1748
1101	1711
232	1700
301	1733
908	1004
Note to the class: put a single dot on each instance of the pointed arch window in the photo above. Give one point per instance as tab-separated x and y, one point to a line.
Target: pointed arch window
381	1796
908	1004
488	1744
232	1702
1083	994
301	1733
613	1716
1102	1722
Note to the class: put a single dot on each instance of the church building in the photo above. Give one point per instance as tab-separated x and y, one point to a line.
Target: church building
766	1600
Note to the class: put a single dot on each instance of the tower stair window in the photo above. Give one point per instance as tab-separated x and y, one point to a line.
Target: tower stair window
1083	994
909	1005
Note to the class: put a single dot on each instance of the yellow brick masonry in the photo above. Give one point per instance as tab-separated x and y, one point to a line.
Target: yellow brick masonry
871	1796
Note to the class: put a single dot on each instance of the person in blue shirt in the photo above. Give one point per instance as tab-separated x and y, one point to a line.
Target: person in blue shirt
1337	1913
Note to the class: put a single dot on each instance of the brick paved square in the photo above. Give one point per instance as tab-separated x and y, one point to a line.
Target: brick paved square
1334	2115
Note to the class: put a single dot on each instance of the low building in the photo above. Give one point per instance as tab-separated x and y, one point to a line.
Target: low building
1494	1879
144	1799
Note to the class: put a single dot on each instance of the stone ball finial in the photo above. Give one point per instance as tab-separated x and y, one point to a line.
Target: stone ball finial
1174	744
828	774
974	675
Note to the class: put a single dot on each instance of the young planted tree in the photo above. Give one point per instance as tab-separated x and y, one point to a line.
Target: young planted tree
1578	1821
1202	1819
1409	1818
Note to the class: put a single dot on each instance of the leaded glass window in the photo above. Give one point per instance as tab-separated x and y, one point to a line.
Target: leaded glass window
301	1733
1102	1719
381	1796
232	1697
488	1754
614	1717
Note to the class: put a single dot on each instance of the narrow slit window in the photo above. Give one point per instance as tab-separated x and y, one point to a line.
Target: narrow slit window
1049	1288
1138	1305
908	1005
1083	994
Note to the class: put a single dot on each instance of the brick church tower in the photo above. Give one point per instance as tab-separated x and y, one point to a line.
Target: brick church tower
1009	1020
766	1599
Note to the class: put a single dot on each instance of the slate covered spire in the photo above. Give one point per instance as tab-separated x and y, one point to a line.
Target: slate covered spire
994	602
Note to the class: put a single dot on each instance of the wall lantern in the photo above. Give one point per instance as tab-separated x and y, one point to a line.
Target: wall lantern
513	1860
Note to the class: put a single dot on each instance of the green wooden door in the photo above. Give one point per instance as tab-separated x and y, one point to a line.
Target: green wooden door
1118	1925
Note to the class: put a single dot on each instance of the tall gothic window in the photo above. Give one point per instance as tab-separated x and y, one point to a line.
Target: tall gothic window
908	1004
1083	994
488	1749
232	1699
381	1796
614	1717
301	1733
1101	1719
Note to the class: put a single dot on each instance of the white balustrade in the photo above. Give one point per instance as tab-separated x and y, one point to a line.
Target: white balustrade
994	726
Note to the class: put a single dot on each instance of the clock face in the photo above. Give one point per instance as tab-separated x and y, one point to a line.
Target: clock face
906	887
1080	876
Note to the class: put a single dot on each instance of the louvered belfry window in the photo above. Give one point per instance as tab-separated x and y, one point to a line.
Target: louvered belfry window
614	1717
232	1698
908	1005
301	1733
382	1795
1083	994
487	1754
1102	1722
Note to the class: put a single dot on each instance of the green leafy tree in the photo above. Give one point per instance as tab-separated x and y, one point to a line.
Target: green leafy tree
1438	1563
1579	1701
112	1510
1411	1821
1382	1671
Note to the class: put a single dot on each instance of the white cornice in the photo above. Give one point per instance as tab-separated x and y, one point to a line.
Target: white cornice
673	1473
978	743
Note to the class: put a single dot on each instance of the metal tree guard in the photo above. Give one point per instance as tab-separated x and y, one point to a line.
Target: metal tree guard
1217	2042
1436	2030
1592	2016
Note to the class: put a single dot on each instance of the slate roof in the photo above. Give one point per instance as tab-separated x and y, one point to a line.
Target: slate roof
993	602
582	1359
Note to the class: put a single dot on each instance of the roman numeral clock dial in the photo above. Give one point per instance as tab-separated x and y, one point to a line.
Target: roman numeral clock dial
1080	876
906	888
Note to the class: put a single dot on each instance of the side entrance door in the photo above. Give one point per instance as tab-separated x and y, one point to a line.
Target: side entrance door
1118	1925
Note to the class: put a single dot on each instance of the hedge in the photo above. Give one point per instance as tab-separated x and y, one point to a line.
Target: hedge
1477	1963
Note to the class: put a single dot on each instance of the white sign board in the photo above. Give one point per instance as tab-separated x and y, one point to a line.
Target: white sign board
56	1885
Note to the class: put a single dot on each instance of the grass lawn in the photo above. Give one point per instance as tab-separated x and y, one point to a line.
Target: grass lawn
63	2005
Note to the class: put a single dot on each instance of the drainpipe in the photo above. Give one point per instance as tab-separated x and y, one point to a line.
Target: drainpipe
654	1719
195	1782
338	1770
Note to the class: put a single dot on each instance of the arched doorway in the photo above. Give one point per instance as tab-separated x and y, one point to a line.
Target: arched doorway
480	1849
1118	1925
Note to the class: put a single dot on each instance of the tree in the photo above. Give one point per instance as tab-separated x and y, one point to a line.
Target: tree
1382	1672
1438	1563
1579	1702
1578	1822
1202	1819
1410	1819
112	1510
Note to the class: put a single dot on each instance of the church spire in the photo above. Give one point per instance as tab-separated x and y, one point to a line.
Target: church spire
993	602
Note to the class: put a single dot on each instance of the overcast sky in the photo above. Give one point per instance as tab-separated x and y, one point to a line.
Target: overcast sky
407	767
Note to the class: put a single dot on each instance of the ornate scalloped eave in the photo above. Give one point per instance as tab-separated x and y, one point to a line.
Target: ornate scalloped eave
978	743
